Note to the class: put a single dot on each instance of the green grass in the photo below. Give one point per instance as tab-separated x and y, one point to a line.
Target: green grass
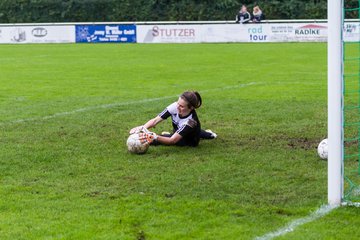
70	176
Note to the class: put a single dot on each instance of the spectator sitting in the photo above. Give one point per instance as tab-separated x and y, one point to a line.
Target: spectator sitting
243	16
258	16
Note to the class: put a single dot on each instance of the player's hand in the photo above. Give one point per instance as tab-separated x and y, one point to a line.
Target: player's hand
147	137
136	129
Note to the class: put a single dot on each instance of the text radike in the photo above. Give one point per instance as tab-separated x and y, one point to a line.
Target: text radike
307	32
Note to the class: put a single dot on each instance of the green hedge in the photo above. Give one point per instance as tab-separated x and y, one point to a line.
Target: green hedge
20	11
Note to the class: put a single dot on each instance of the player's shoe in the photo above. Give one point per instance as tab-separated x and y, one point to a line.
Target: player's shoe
213	135
165	133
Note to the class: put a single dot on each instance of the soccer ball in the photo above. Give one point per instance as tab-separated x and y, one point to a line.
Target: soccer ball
134	144
322	149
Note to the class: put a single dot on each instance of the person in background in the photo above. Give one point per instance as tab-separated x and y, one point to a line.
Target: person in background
243	16
258	15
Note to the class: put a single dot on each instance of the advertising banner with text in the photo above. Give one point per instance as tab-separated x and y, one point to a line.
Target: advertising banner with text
268	32
37	34
106	33
351	32
179	33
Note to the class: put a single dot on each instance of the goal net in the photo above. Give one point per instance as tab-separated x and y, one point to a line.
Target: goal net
351	100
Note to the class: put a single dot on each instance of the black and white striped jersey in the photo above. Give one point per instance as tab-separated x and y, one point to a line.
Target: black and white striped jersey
188	126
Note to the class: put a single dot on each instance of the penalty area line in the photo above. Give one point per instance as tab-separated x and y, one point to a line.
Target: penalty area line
111	105
319	213
85	109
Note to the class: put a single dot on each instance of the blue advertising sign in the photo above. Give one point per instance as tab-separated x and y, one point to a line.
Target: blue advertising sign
106	33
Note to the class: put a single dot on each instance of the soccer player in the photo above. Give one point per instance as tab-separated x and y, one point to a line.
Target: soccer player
186	125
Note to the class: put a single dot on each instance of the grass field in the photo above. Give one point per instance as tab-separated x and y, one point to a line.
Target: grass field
65	112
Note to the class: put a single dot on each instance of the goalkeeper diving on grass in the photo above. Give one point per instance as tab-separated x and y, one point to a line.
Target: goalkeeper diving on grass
185	122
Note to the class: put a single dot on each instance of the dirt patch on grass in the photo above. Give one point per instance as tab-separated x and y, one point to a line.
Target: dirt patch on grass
303	143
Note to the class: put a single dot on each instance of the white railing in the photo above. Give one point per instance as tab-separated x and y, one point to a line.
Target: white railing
173	22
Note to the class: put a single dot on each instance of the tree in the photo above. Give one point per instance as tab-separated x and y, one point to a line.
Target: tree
19	11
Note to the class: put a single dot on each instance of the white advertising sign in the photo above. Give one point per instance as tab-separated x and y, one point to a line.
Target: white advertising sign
267	32
298	32
233	33
191	33
169	33
351	32
37	34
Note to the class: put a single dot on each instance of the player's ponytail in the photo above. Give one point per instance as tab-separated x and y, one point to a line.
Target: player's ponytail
193	98
199	100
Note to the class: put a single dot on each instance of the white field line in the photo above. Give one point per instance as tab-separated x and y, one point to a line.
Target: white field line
111	105
322	211
85	109
351	204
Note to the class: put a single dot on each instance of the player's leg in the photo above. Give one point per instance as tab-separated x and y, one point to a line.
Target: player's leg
207	134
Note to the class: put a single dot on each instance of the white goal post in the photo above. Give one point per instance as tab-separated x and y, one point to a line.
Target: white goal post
335	102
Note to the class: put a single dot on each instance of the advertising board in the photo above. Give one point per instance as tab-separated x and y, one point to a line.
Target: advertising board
352	32
268	32
37	34
105	33
174	33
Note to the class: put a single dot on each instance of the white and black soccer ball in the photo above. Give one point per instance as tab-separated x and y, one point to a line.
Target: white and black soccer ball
322	149
134	144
